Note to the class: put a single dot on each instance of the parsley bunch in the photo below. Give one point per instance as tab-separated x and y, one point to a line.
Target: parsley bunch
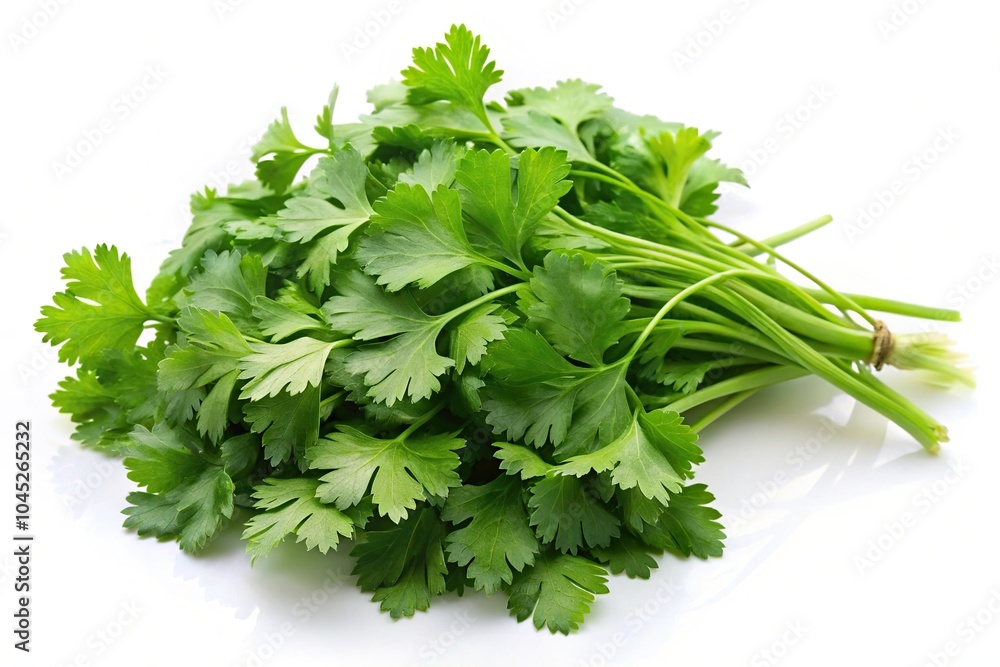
478	341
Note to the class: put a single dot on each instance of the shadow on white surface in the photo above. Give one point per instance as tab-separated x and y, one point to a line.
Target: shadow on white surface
770	483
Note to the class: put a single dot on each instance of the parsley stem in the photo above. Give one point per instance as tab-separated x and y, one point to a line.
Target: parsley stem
739	340
841	301
633	397
895	307
826	327
500	143
784	237
521	273
859	384
162	319
856	341
420	421
332	398
486	298
721	409
680	296
751	380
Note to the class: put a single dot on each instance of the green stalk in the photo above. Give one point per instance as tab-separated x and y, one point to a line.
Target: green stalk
856	341
750	381
627	184
423	419
908	416
784	237
677	298
486	298
859	341
721	409
842	302
725	350
881	305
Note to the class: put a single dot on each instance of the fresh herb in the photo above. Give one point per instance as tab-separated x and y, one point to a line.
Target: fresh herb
478	342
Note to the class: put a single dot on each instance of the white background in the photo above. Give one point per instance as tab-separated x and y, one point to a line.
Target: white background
881	94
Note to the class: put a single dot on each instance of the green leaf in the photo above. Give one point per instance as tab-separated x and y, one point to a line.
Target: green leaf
566	512
535	130
131	379
688	526
472	334
418	128
458	70
82	395
405	366
212	348
324	121
435	166
304	218
321	256
288	424
532	390
702	182
187	496
541	183
676	152
684	378
213	415
557	591
229	283
162	459
401	471
403	565
570	102
156	515
534	394
240	455
288	154
520	460
637	510
498	537
101	423
580	307
654	454
290	507
340	177
489	195
278	138
525	358
386	94
366	311
295	365
628	555
99	310
210	214
279	321
417	238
